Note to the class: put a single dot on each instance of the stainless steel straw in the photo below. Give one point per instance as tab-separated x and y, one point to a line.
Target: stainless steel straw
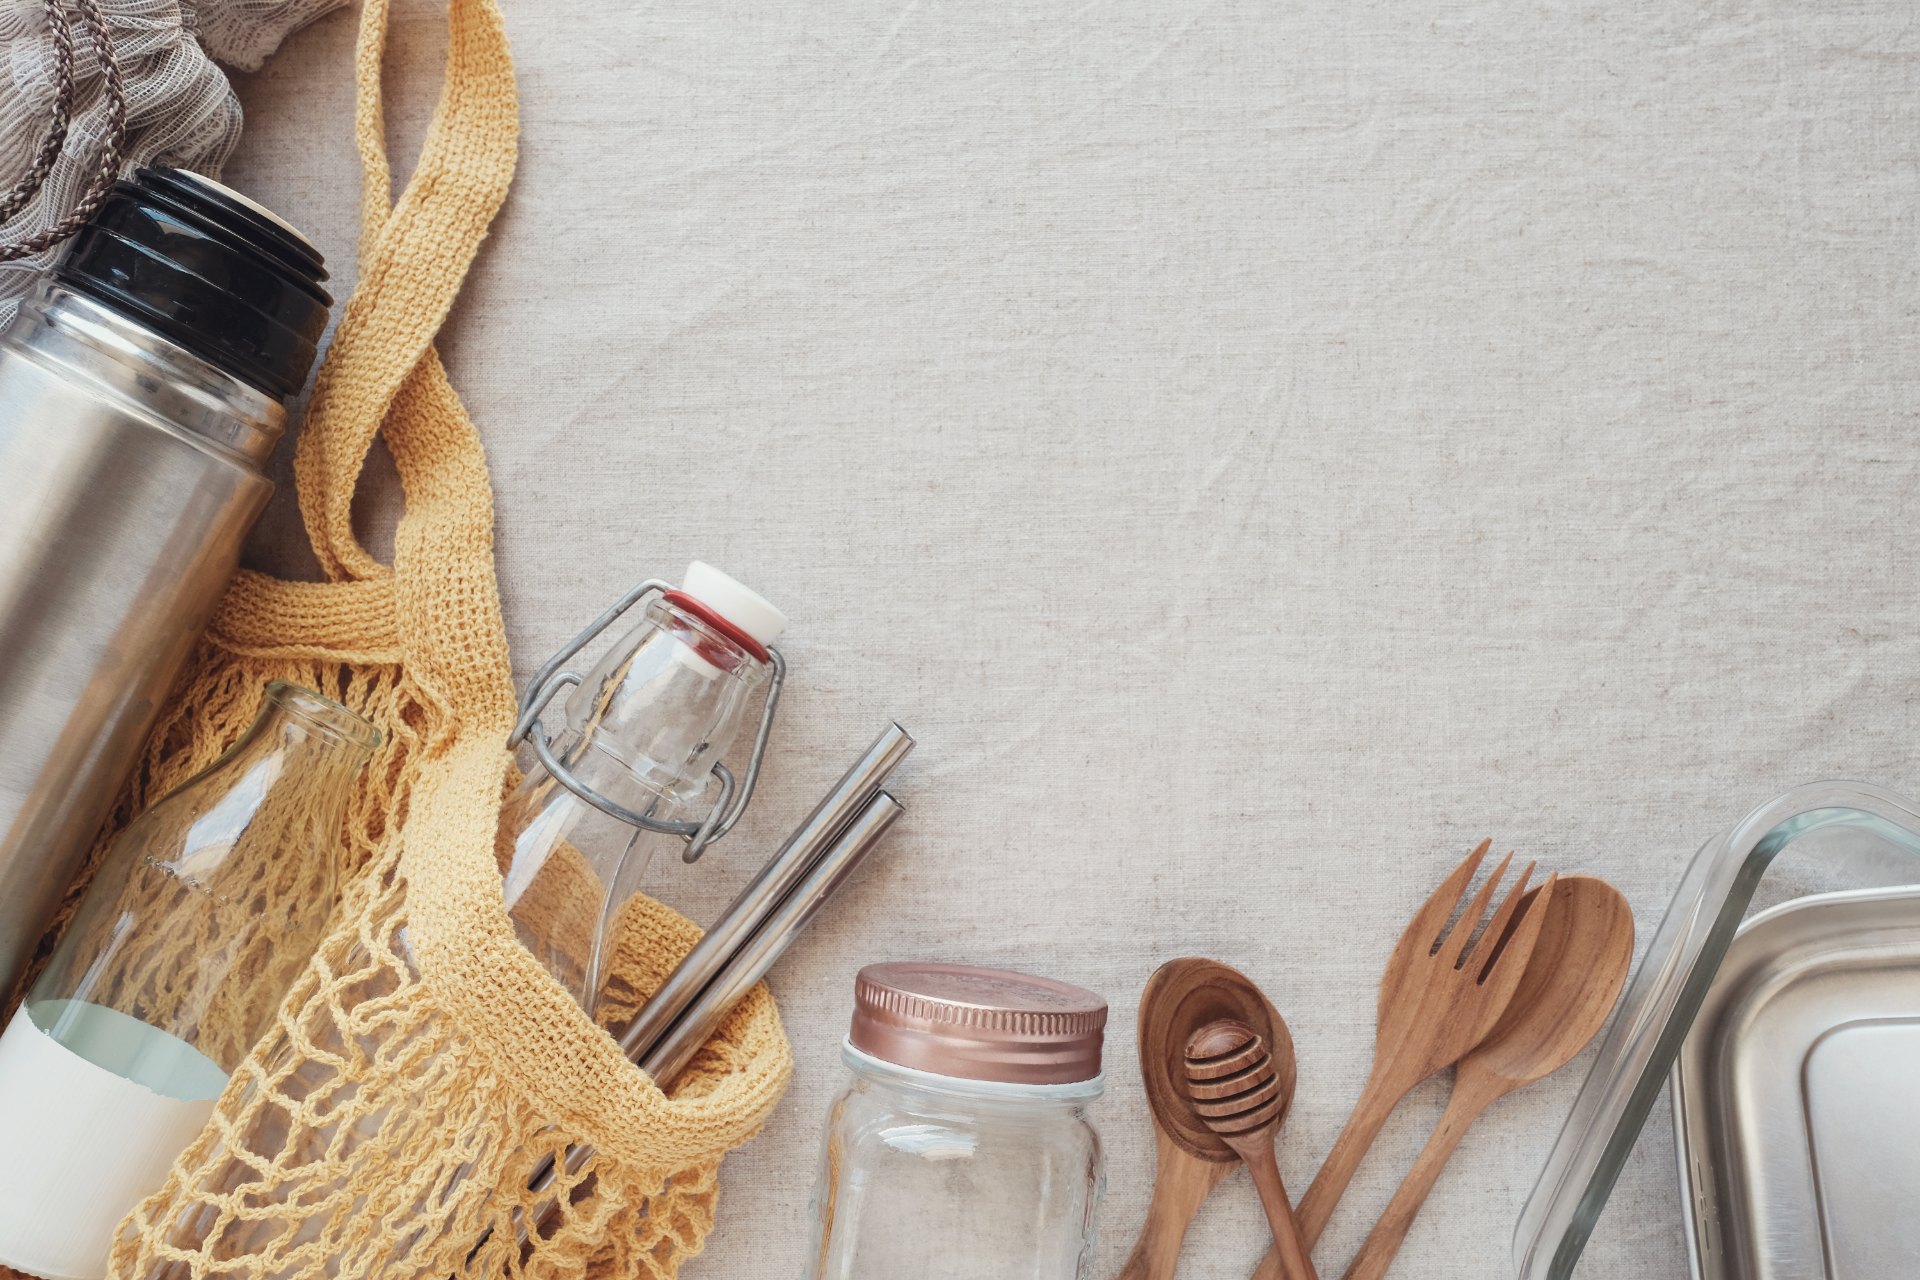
764	893
750	963
774	908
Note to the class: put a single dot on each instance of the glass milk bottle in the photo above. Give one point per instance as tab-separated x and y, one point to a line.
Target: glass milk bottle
203	913
961	1149
629	771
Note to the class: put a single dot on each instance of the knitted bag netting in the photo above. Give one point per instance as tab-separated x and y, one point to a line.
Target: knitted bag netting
250	932
425	1065
180	108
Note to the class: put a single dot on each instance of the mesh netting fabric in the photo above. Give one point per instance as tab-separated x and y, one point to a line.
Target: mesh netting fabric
180	108
425	1065
249	920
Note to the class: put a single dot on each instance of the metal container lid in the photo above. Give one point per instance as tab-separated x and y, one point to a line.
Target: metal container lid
206	268
978	1024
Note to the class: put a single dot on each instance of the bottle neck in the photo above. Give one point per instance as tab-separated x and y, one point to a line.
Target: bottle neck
738	644
710	637
314	730
289	774
597	758
151	375
649	721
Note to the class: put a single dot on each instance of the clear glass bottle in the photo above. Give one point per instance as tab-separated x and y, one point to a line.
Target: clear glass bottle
963	1150
204	911
643	730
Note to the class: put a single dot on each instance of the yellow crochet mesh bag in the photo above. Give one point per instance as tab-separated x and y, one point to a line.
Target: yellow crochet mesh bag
425	1065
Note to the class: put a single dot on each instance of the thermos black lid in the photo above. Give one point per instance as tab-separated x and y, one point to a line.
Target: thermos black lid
209	269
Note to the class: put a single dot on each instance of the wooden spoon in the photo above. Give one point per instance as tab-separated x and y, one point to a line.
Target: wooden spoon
1236	1089
1443	992
1573	978
1181	997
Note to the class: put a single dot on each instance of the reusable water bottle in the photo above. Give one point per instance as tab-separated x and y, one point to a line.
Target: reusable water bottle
203	913
140	395
632	769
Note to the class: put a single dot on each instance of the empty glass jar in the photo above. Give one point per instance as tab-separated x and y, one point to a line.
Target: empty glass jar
962	1150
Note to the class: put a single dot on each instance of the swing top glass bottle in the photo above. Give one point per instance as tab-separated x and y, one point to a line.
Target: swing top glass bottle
634	766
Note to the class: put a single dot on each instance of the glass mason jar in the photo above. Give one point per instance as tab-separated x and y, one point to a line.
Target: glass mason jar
962	1149
203	913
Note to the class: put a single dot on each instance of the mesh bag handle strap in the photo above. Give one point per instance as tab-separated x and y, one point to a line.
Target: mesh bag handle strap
381	375
60	27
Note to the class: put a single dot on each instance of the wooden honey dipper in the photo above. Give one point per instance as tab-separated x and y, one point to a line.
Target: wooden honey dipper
1236	1090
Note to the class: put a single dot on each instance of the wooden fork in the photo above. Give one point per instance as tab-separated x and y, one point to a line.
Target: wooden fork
1443	992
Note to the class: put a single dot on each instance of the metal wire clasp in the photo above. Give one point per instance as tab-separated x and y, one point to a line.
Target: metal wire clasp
553	677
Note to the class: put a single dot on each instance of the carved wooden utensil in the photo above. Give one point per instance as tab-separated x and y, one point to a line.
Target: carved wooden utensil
1443	992
1182	997
1235	1086
1573	978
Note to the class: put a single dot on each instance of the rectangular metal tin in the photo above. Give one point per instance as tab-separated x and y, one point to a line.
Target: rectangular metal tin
1797	1096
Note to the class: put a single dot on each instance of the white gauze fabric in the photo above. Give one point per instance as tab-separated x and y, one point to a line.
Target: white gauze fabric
180	108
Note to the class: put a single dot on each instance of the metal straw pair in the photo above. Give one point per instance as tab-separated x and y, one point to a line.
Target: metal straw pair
817	859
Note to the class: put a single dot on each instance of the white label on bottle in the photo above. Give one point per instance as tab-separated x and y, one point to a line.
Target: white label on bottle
81	1145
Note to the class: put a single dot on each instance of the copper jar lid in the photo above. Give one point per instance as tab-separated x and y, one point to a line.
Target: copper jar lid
978	1024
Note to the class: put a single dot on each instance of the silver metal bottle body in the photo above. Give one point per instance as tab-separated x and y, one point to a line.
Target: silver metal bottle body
130	473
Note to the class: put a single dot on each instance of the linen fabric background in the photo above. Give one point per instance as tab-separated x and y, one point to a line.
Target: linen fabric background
1258	449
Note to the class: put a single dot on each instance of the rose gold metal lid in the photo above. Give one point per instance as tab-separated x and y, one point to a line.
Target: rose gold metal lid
978	1024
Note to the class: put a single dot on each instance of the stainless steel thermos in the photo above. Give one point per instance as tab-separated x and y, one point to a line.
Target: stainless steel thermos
141	391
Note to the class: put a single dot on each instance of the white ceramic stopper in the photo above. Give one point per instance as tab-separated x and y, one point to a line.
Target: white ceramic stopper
744	607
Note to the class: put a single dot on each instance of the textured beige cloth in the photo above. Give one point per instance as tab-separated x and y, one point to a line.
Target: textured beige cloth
1258	448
